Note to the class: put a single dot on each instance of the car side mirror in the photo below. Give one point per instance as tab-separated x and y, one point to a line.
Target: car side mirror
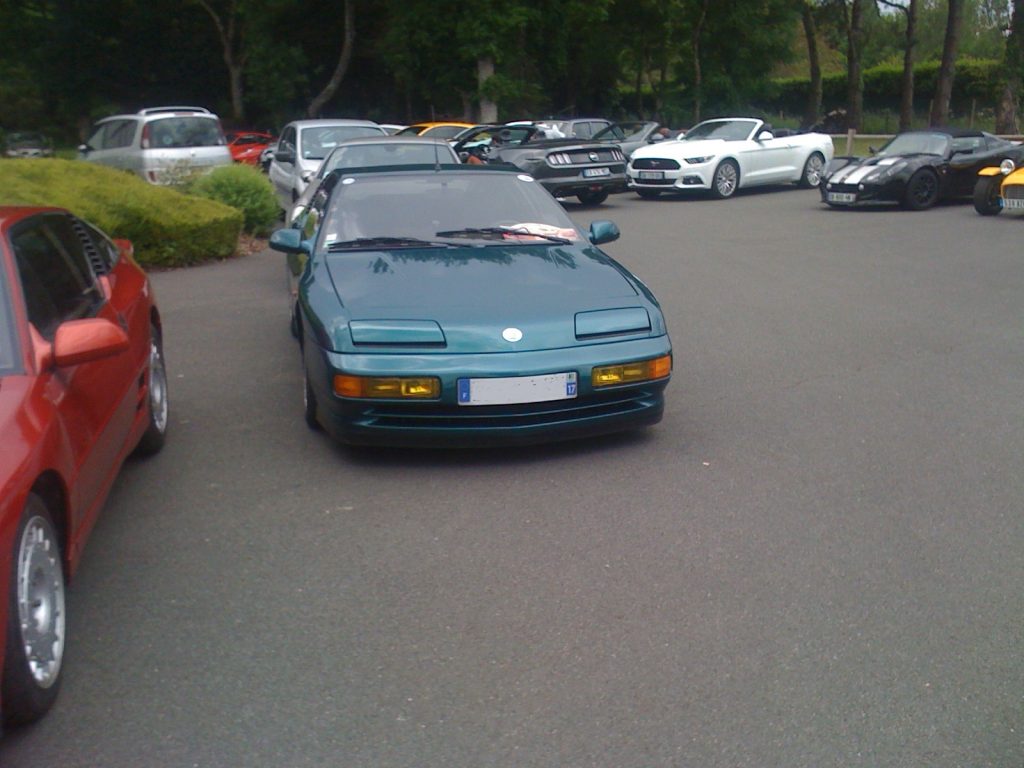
284	155
765	136
464	156
603	231
656	138
85	149
83	341
289	241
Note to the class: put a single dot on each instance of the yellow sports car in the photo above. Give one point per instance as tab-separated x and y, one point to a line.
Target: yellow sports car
998	188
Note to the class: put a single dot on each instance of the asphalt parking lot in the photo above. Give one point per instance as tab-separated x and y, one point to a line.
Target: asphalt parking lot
816	559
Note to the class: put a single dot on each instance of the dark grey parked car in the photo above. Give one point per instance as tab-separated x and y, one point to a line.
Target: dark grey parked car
588	169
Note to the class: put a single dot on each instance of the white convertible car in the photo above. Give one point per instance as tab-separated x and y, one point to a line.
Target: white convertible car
728	154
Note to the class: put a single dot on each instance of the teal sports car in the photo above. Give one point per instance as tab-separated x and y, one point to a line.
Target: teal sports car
459	305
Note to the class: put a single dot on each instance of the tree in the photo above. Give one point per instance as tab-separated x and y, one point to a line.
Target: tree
813	108
947	69
910	41
1013	64
228	23
348	42
854	70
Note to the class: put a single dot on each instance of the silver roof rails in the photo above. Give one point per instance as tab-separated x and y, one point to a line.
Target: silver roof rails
158	110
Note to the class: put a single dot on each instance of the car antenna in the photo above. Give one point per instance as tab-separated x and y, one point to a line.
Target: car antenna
437	158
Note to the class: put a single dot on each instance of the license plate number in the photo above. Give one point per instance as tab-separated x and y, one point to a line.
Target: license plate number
842	197
591	172
1013	203
651	175
518	389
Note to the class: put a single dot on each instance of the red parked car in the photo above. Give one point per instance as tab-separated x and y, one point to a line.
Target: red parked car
247	146
82	385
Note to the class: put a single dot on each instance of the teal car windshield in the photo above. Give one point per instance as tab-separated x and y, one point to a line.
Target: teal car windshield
465	206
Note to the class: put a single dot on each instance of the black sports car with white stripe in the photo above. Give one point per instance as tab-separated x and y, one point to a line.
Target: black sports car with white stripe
916	169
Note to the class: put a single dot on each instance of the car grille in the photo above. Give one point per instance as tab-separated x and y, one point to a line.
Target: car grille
496	418
587	156
1013	191
655	164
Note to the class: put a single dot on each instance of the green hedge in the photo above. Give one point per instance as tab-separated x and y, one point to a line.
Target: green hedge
243	187
168	228
975	79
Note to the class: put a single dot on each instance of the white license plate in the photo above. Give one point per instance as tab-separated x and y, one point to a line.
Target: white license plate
651	175
591	172
1013	203
518	389
842	197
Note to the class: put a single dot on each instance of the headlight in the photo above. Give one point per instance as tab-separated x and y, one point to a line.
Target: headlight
700	160
391	387
631	373
1007	167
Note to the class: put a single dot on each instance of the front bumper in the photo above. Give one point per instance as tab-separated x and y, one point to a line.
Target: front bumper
864	193
446	424
671	179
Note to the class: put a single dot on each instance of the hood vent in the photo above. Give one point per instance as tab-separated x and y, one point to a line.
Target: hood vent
610	322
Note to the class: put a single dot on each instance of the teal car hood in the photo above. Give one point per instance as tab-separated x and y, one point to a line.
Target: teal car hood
462	299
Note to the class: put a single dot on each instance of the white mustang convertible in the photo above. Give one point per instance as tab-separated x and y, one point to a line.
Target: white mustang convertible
727	154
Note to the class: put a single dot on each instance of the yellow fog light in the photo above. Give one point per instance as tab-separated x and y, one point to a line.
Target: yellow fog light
393	387
631	373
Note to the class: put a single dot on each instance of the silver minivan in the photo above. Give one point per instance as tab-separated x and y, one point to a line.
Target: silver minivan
161	144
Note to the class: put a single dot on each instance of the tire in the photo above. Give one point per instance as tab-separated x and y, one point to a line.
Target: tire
36	621
726	179
986	195
922	191
649	194
309	402
592	198
810	178
158	405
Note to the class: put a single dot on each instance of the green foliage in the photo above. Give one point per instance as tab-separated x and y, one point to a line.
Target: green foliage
977	80
244	188
168	228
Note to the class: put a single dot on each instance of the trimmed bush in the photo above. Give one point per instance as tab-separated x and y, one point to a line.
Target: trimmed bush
245	189
168	228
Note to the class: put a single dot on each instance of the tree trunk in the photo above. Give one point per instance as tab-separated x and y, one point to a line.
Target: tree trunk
234	60
947	69
907	88
854	73
484	72
1013	60
339	71
813	108
698	79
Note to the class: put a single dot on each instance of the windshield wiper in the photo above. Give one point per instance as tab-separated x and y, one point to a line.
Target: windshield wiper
500	232
383	242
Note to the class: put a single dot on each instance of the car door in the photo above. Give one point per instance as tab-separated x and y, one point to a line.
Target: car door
282	167
111	143
95	401
768	160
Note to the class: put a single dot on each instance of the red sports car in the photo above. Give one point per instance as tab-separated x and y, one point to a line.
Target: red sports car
82	385
246	146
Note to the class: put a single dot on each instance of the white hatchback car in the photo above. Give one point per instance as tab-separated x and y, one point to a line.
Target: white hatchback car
160	144
302	147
